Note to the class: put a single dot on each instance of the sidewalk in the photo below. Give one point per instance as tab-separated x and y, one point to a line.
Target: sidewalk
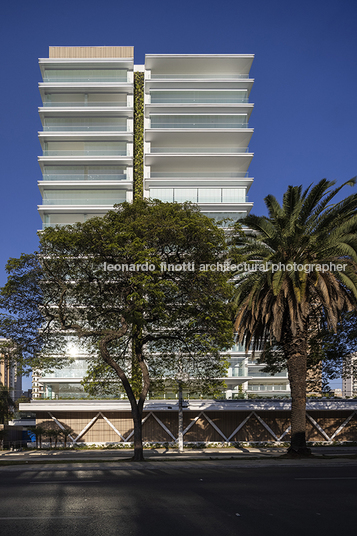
161	454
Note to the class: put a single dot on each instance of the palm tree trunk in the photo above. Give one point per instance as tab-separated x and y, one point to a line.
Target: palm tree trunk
295	350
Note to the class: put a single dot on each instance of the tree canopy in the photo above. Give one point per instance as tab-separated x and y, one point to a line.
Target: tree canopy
129	285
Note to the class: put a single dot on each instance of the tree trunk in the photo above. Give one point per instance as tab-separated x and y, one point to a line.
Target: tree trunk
296	362
136	406
138	436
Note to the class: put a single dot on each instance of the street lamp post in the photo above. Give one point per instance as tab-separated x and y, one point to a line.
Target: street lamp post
180	419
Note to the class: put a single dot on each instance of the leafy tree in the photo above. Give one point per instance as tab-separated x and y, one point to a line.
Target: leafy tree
199	377
129	285
6	404
285	304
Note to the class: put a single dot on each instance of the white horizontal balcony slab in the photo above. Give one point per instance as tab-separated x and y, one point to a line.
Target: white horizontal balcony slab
50	379
200	64
234	382
85	184
225	207
190	405
258	380
198	109
73	209
162	138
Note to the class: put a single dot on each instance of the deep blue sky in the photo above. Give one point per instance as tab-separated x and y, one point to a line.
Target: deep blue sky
305	71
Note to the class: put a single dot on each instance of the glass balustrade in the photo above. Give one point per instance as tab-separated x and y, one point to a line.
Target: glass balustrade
85	152
83	197
199	195
237	348
66	373
225	218
198	174
84	201
84	173
203	76
198	97
268	387
236	372
89	177
79	127
259	374
179	150
50	220
80	104
201	100
204	121
198	125
85	75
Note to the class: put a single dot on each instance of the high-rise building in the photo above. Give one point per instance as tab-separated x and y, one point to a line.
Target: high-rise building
87	136
196	131
9	376
174	129
349	380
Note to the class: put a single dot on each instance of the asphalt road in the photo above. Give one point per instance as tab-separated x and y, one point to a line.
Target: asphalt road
180	498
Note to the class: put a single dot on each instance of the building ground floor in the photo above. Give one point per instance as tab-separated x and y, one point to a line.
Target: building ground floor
206	421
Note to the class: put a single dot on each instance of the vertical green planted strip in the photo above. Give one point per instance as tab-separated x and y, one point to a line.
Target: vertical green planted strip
138	134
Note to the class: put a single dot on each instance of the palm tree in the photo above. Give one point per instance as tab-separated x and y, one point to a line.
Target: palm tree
309	250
